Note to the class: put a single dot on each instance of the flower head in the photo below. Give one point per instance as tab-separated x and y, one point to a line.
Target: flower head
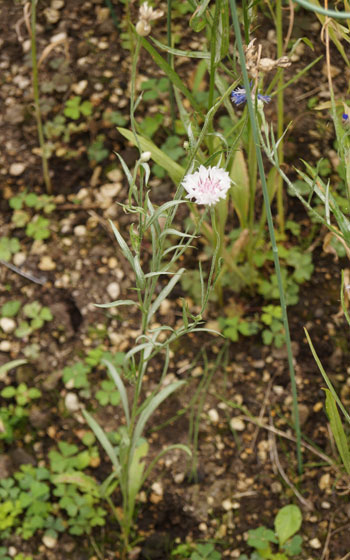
239	96
345	118
207	185
146	15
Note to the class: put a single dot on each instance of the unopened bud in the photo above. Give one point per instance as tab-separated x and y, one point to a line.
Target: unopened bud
145	156
143	28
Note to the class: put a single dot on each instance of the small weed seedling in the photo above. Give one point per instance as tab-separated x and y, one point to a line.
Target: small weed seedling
8	247
35	317
14	414
75	108
279	544
274	332
24	204
196	552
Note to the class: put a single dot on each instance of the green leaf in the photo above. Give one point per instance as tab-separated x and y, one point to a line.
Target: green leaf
11	365
10	308
121	388
101	436
178	52
135	470
261	537
152	405
175	171
293	547
338	430
287	522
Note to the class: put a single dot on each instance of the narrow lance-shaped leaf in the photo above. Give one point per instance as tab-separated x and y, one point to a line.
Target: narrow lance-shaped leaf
164	293
121	388
104	441
176	172
338	430
151	407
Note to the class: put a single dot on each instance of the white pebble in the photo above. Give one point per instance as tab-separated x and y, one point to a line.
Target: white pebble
227	505
49	542
113	290
237	424
72	402
7	324
315	543
80	231
19	258
17	169
5	346
110	189
213	415
157	488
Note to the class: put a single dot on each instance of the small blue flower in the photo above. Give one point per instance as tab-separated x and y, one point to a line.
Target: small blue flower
239	96
345	118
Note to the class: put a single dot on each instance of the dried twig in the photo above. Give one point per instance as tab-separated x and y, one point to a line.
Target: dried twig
291	438
325	552
42	280
306	503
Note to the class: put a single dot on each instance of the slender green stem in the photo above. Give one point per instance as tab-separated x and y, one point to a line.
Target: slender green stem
252	116
280	116
171	63
39	123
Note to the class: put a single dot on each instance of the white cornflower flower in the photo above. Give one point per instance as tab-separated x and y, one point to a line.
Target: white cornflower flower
207	185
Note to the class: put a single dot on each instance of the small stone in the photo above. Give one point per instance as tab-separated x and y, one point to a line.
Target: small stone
203	527
155	499
315	543
80	231
303	414
179	478
324	482
5	346
80	87
110	189
57	4
227	505
115	175
52	15
213	415
197	371
46	263
58	37
15	114
325	505
71	402
7	324
19	258
276	487
113	290
12	551
112	263
278	389
157	488
49	542
17	169
317	407
237	424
